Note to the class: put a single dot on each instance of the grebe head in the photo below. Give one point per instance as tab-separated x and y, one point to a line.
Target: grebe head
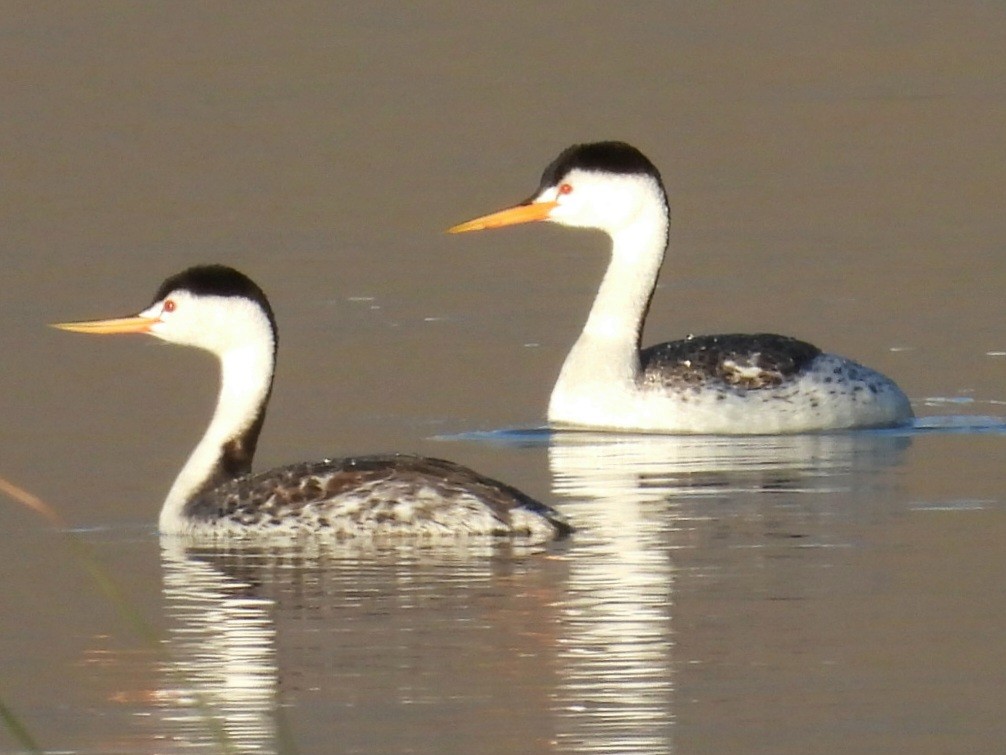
604	185
211	307
218	309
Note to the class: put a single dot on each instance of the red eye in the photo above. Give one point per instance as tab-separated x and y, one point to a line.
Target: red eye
169	306
565	189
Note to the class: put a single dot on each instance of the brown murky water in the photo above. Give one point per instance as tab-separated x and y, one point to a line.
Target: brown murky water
836	173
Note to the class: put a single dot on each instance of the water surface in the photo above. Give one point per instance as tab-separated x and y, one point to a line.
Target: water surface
834	175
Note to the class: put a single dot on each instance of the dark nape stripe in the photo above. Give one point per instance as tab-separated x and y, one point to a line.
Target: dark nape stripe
235	461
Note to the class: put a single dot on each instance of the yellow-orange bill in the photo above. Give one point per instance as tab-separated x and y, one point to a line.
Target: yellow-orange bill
522	213
120	325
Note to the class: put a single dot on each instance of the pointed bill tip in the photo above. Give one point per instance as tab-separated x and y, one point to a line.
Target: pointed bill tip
472	225
522	213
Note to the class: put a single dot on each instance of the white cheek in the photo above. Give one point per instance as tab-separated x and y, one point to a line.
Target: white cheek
170	326
575	209
620	207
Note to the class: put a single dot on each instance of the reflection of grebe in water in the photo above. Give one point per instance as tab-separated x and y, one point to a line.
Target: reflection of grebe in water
726	384
220	310
639	501
658	467
617	676
220	676
359	642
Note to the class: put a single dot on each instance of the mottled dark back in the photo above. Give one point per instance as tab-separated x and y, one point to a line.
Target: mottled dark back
280	493
760	360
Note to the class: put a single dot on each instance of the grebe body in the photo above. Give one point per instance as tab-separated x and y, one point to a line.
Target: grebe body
724	384
220	310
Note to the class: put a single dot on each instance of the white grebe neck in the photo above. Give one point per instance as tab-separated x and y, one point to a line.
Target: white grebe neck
611	337
228	445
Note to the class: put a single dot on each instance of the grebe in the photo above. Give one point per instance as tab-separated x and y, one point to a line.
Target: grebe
725	384
222	311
